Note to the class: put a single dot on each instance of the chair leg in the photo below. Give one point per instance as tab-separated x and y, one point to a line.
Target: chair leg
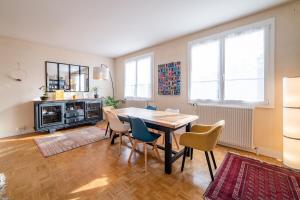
145	152
175	139
120	144
209	166
130	139
132	150
112	133
163	138
156	151
107	128
213	158
183	158
192	151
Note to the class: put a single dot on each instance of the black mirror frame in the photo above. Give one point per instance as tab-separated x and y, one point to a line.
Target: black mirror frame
80	66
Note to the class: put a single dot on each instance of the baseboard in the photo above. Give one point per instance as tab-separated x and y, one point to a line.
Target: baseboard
270	153
4	134
259	151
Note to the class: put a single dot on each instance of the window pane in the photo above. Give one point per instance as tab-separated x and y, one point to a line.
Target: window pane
130	78
144	91
64	81
244	66
52	76
245	90
204	90
144	76
144	71
74	78
205	65
84	79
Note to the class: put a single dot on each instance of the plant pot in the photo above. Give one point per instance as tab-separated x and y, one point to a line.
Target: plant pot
96	96
44	98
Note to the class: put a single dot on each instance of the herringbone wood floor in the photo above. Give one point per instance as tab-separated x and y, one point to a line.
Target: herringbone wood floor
96	171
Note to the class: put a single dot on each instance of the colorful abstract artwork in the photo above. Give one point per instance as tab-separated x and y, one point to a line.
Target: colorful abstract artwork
169	79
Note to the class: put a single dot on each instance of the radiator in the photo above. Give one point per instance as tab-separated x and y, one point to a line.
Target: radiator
238	124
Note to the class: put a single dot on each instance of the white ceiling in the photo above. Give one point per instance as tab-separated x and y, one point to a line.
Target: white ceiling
116	27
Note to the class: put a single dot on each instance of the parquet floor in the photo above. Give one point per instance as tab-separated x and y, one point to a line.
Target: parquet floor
96	171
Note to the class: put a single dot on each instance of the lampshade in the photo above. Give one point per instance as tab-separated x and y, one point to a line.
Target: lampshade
101	73
291	92
291	122
96	73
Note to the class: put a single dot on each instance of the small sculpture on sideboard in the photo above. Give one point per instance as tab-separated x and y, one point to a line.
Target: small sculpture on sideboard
44	97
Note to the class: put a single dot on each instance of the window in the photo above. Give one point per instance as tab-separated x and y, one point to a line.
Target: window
233	67
138	78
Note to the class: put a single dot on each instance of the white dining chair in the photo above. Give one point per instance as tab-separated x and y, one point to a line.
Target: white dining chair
105	110
118	127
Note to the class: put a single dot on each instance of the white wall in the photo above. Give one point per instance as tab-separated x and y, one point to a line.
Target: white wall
267	122
16	106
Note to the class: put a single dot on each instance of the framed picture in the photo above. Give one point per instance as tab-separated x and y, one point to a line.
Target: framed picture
169	78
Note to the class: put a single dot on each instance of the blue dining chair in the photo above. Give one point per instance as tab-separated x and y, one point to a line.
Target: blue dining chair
141	134
148	107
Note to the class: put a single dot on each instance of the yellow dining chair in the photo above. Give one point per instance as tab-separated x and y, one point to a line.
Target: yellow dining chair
105	110
203	138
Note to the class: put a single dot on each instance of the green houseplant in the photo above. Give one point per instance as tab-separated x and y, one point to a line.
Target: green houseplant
95	89
110	101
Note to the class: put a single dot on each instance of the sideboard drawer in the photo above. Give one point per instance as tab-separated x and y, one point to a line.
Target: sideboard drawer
74	119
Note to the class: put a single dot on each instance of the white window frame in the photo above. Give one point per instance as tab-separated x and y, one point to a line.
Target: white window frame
136	58
268	73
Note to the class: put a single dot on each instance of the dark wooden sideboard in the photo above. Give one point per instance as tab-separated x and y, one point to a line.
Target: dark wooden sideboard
51	115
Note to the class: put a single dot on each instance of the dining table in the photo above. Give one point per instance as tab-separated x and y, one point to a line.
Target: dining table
163	121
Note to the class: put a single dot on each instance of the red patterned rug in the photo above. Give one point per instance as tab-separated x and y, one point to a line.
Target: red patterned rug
244	178
55	144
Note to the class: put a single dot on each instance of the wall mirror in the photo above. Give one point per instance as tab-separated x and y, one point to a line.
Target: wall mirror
67	77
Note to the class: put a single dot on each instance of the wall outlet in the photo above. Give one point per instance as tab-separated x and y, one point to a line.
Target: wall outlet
256	150
21	129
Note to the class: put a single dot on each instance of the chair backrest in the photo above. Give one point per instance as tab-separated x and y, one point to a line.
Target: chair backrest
114	122
172	110
151	107
106	109
215	132
140	130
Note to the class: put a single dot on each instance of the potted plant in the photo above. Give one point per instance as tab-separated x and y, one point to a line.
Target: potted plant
44	97
110	101
95	89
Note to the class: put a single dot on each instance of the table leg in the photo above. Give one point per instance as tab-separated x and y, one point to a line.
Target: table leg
188	129
168	151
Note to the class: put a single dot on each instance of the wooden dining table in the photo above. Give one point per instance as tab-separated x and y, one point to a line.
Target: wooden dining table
164	121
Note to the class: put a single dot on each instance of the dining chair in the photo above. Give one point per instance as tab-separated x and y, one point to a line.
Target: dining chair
105	110
141	134
204	138
118	127
174	135
148	107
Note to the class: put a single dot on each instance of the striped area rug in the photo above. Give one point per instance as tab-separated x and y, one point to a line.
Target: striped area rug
242	178
2	187
56	144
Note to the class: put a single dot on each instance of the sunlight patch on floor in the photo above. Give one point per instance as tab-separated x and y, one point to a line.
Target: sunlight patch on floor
97	183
